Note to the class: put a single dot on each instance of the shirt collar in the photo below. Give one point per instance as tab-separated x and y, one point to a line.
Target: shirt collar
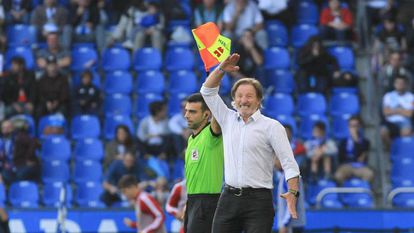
256	116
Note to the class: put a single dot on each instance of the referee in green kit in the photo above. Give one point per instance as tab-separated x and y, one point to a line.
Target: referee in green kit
203	166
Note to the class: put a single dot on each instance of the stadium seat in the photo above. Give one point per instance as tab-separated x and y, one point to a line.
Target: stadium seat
55	171
88	194
24	194
174	103
277	33
3	196
280	80
340	129
301	33
178	169
357	200
76	79
307	12
142	104
51	120
350	90
311	103
329	200
173	24
182	81
115	58
150	81
307	122
117	104
344	104
85	126
118	81
179	58
345	57
89	149
276	58
20	51
111	122
402	169
55	148
225	85
402	147
21	35
83	58
279	104
404	200
147	59
52	191
87	170
287	120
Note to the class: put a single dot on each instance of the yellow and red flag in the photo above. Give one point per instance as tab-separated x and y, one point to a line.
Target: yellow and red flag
213	47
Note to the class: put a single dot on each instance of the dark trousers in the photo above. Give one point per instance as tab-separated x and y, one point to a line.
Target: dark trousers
200	212
249	211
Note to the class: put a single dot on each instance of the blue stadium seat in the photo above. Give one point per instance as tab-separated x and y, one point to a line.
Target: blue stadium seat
402	169
225	85
83	44
150	81
85	126
179	59
24	194
142	104
307	122
276	58
350	90
20	51
51	120
344	104
340	129
345	57
111	122
118	81
174	103
173	24
281	80
117	104
56	148
279	104
277	33
307	12
178	169
404	200
358	200
88	194
51	194
115	58
182	81
311	103
87	170
76	79
287	120
3	196
147	59
402	147
83	57
89	149
301	33
21	35
329	200
55	171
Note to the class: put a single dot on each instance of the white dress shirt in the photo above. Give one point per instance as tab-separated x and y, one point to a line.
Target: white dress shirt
250	149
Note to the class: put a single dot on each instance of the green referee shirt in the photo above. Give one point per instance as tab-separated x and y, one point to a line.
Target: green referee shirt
204	160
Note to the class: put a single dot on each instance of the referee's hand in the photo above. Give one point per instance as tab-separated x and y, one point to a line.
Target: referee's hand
291	203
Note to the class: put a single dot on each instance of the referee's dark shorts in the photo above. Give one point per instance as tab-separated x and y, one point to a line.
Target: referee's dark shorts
199	212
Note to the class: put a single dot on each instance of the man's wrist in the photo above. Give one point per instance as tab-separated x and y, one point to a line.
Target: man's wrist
294	192
221	70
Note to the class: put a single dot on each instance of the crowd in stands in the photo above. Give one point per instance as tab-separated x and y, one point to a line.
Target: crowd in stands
107	80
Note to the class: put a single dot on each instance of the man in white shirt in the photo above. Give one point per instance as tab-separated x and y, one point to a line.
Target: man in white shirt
397	108
251	144
240	15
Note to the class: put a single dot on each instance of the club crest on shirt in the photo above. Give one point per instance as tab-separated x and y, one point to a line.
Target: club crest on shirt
194	155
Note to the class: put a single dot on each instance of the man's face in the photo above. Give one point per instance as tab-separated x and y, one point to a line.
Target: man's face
395	59
195	116
52	40
246	100
129	160
50	3
334	4
317	132
6	128
209	3
129	192
400	85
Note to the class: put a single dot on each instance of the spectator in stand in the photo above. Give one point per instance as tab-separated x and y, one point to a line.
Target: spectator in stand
410	45
397	108
208	11
104	22
6	144
153	131
117	169
2	19
320	148
346	79
353	153
298	148
317	67
179	129
50	17
19	89
240	15
18	11
277	10
25	163
119	146
52	90
54	48
140	21
336	22
377	11
85	21
394	67
177	201
87	96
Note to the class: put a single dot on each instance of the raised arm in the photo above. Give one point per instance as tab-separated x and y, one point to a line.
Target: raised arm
228	65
